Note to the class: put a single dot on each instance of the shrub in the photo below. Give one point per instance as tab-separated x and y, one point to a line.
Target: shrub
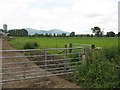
101	71
30	45
35	44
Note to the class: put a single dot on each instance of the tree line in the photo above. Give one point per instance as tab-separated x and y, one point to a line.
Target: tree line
18	33
99	33
72	34
96	33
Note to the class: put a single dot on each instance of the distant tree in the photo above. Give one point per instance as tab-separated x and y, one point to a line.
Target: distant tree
18	32
97	31
77	35
118	34
36	35
54	35
88	35
63	34
59	35
92	35
41	35
30	35
50	35
1	30
110	34
72	34
24	32
46	35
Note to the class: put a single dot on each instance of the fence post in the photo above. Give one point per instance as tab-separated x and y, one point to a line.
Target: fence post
84	59
70	46
79	57
45	63
66	47
92	46
25	69
65	62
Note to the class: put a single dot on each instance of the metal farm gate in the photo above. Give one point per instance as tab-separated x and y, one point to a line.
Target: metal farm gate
37	63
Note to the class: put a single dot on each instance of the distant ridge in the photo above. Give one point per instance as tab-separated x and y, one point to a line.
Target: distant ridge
52	31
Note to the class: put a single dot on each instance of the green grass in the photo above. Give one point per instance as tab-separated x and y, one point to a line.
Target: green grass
102	69
45	42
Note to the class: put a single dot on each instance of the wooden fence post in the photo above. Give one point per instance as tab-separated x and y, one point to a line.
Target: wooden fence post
84	56
70	46
92	46
45	63
66	47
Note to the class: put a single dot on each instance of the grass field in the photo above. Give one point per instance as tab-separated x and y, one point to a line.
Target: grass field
45	42
102	69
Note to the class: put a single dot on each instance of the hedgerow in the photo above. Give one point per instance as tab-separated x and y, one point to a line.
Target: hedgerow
102	69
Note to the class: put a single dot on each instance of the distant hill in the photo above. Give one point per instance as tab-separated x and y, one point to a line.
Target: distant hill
56	31
32	31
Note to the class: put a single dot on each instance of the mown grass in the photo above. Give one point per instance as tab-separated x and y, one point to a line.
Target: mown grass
45	42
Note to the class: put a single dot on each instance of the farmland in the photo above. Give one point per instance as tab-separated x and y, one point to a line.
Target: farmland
102	70
47	42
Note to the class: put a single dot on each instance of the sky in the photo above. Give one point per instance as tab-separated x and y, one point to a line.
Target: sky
67	15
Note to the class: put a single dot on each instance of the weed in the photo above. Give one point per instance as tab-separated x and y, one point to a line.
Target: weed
30	45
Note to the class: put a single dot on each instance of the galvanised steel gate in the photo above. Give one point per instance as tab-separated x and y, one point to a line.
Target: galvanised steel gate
37	63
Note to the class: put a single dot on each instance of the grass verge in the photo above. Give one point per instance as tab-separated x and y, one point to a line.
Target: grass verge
102	69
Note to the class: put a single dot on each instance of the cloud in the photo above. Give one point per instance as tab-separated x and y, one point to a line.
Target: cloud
68	15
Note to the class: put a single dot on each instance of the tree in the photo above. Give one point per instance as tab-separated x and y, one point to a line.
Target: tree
118	34
59	35
72	34
41	35
1	30
50	35
54	35
18	32
97	31
46	35
92	35
63	34
36	35
110	34
88	35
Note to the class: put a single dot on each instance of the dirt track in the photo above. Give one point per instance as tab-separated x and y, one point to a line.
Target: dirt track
50	82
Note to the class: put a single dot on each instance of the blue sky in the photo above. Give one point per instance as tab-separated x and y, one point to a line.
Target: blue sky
68	15
50	5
